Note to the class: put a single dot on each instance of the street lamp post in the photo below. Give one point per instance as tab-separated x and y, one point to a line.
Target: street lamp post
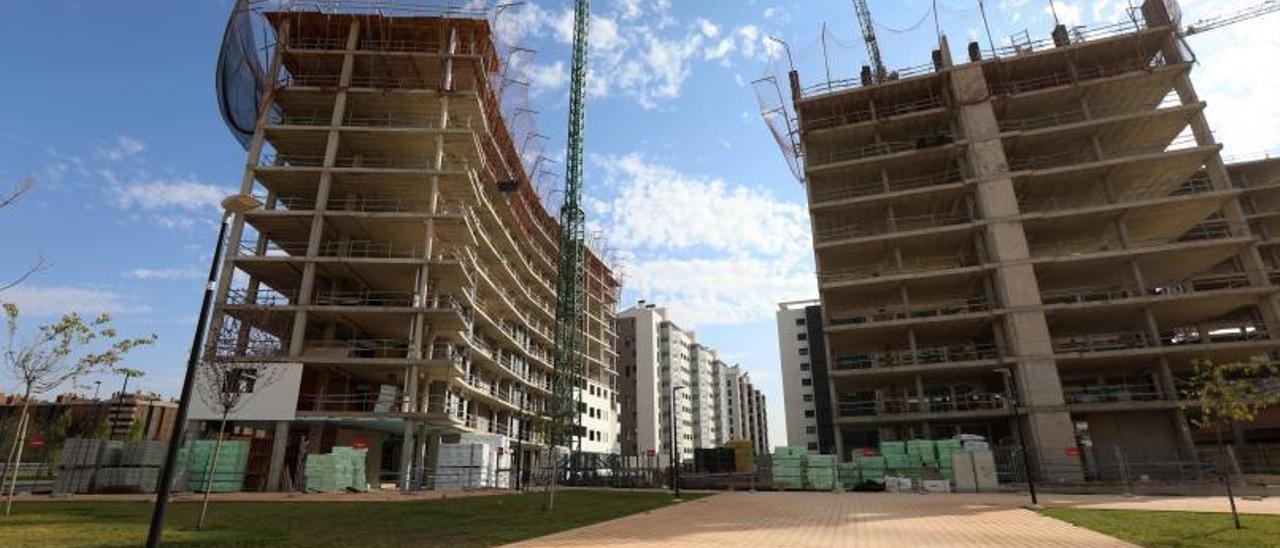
1022	439
236	203
675	445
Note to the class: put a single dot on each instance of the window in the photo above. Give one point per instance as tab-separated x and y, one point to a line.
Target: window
799	321
806	382
802	336
808	414
811	429
804	366
804	351
239	381
813	446
808	397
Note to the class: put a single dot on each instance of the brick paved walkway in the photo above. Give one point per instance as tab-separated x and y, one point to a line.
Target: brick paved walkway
760	520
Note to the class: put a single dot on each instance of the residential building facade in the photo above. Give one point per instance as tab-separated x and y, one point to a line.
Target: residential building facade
805	385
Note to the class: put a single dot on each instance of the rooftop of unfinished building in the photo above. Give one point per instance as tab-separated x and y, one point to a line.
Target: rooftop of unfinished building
1087	46
398	27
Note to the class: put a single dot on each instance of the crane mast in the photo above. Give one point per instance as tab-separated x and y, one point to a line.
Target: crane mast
869	35
570	283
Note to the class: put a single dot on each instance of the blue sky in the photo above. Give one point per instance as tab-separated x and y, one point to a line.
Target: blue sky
110	106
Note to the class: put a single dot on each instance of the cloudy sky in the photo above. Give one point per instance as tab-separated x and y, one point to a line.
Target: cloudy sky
110	106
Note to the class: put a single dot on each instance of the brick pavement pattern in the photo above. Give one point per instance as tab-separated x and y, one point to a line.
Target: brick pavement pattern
836	520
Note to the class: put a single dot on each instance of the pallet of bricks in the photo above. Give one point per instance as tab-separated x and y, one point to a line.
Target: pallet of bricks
900	464
130	467
820	472
788	467
341	470
78	465
227	476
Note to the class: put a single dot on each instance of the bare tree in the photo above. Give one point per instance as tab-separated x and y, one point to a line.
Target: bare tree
7	199
237	364
57	353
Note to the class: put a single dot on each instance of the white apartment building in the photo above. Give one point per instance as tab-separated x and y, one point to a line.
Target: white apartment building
804	384
714	402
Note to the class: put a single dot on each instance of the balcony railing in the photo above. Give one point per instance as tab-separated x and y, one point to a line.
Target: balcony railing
889	226
1101	342
970	305
1111	393
356	402
857	190
398	299
1081	75
879	149
922	356
919	264
366	348
260	297
930	404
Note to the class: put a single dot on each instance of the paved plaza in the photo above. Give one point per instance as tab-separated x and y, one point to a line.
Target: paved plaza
835	520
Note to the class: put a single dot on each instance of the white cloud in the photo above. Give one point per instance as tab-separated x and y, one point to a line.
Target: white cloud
163	194
123	147
1069	14
163	274
735	250
35	300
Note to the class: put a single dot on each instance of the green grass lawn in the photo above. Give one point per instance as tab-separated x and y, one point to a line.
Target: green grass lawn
471	521
1175	529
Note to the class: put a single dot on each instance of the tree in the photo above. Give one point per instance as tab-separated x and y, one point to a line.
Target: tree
236	365
6	200
127	373
70	347
1230	393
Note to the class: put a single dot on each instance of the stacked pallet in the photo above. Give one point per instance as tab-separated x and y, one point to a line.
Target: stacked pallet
789	467
339	471
78	465
872	469
819	472
946	448
848	475
132	467
228	474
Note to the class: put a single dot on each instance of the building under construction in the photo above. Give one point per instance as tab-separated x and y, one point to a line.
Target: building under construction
1044	234
402	274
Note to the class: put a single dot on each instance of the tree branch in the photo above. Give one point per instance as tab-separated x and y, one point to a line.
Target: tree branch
16	194
40	264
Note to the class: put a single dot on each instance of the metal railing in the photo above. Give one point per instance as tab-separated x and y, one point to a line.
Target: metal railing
955	353
1101	342
817	159
928	404
365	348
857	190
961	259
893	225
263	296
399	299
972	304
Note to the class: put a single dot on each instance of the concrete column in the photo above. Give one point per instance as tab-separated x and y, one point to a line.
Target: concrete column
1026	330
279	445
406	454
307	286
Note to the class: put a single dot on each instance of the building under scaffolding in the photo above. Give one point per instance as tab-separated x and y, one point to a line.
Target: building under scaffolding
402	272
1046	234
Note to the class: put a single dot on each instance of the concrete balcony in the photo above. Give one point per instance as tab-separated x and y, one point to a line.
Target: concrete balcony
970	406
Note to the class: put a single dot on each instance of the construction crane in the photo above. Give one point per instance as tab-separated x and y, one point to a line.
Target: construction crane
1204	25
570	283
869	35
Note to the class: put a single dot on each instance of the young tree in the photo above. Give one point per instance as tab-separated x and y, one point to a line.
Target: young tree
68	348
236	365
1229	393
127	373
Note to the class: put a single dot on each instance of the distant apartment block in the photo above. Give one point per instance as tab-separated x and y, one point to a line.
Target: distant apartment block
714	403
805	385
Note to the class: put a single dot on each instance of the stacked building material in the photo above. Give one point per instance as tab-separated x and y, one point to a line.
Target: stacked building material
947	447
872	469
464	466
848	474
77	465
226	477
923	452
819	472
788	467
132	467
339	471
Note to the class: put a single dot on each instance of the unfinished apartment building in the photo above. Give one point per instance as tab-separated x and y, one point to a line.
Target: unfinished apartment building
403	264
1053	224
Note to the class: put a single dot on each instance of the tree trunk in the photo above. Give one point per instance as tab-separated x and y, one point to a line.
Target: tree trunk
16	460
1226	475
208	475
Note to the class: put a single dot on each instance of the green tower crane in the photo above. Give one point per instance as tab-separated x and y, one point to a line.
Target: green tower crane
570	283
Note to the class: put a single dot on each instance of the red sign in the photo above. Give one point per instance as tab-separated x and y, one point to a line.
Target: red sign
868	451
650	453
35	442
1073	451
361	442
